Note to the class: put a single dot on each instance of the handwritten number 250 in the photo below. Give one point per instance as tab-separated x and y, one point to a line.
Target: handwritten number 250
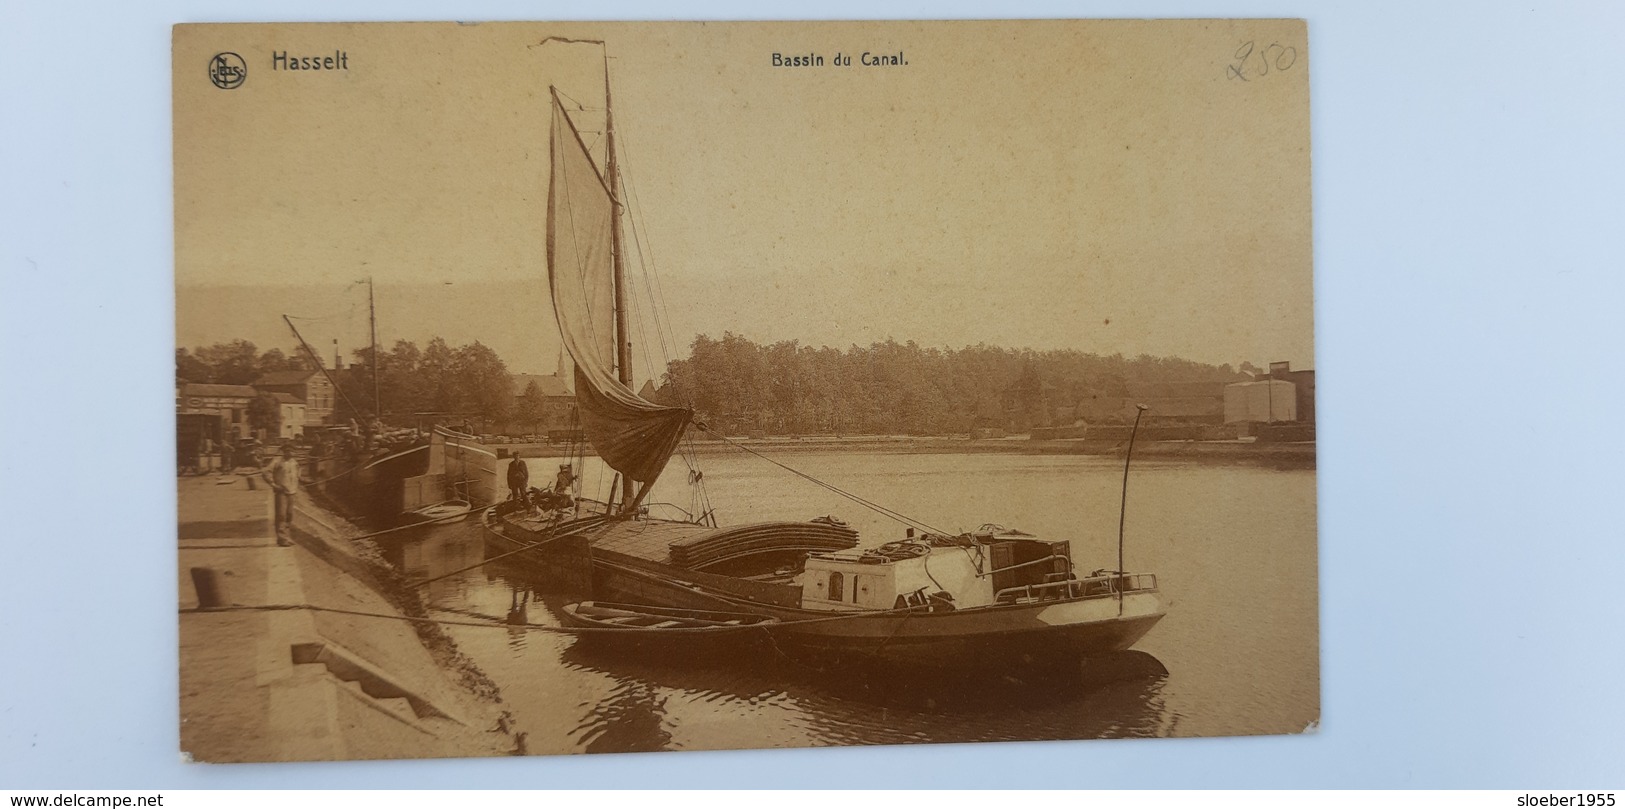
1254	61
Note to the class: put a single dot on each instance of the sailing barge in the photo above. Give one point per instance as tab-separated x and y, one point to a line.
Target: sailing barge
986	597
421	478
403	475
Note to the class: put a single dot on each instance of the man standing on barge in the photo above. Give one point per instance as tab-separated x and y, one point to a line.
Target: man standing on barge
519	480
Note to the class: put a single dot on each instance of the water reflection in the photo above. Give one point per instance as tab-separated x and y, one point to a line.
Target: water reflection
738	678
628	719
632	698
1116	695
1238	660
430	553
518	616
1118	698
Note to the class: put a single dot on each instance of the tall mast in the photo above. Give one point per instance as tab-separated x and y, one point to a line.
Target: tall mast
372	322
623	341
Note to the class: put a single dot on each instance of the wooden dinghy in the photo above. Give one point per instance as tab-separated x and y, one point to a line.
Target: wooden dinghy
443	512
667	629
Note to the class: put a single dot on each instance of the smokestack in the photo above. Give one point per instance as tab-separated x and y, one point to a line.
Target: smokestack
338	361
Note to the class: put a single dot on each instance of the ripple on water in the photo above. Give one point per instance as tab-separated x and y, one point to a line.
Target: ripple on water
1239	646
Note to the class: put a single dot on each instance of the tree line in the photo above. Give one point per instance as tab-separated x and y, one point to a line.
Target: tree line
468	382
736	385
739	386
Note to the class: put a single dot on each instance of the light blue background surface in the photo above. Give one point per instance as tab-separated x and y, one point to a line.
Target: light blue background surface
1468	216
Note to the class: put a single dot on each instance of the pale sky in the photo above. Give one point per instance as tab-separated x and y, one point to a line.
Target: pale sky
1089	185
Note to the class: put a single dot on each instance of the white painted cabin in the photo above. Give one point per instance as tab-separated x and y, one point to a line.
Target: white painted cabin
857	580
992	566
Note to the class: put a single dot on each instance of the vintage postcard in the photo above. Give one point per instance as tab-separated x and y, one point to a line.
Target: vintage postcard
550	388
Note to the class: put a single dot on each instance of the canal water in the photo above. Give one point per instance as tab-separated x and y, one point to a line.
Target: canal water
1233	547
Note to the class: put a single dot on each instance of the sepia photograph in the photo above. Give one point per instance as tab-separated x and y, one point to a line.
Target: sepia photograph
555	388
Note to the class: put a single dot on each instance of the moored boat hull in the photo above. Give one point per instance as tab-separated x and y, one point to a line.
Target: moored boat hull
391	488
374	489
470	468
555	561
1011	636
915	640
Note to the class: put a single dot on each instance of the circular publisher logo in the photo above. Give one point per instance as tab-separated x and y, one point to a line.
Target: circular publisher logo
227	70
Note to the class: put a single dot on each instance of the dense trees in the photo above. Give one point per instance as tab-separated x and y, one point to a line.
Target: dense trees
738	386
469	381
481	382
235	363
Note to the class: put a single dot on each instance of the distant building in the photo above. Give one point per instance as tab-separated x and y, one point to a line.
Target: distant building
212	411
1303	381
1263	401
557	406
293	416
309	387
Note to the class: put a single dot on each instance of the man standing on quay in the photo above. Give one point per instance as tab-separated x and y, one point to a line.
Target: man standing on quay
284	476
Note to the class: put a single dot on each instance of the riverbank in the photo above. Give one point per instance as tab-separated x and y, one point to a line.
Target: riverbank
1298	454
297	684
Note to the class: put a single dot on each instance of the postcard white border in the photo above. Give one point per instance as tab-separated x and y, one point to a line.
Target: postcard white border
1466	176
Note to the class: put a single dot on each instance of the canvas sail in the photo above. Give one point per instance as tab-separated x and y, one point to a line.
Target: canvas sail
634	436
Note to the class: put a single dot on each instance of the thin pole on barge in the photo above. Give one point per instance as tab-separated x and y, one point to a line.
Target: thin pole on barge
1122	509
372	323
623	339
630	496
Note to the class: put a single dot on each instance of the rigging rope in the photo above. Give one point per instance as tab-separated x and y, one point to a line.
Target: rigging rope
869	504
634	314
652	270
493	622
578	104
699	497
483	562
407	527
644	260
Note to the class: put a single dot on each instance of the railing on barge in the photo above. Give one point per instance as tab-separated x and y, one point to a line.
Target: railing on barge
1091	587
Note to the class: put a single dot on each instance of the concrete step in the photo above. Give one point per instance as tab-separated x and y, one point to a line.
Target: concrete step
371	680
397	705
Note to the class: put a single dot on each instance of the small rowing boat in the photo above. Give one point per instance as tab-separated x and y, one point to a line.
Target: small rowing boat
442	512
647	628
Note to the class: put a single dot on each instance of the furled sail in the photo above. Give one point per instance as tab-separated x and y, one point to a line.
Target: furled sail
634	436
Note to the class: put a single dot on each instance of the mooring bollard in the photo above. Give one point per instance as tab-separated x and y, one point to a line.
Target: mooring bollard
210	594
